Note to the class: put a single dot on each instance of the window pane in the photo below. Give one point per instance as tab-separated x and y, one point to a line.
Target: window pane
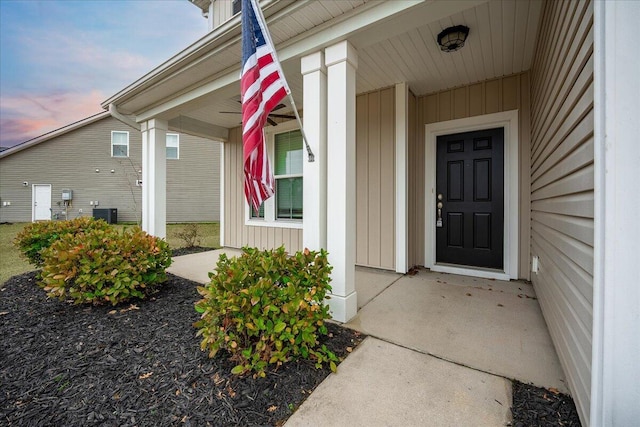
120	138
172	152
259	214
288	153
119	151
172	140
289	198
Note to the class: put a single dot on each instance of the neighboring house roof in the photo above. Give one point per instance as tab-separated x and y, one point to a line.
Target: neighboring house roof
53	134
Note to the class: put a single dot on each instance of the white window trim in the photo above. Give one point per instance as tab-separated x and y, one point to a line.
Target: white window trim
119	131
270	219
177	146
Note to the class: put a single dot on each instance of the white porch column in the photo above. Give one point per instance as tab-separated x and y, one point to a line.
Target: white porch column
402	173
341	61
615	376
154	177
314	233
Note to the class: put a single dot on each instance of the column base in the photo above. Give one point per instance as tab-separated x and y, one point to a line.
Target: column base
343	308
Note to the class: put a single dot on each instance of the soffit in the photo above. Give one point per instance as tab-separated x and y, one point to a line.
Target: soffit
402	48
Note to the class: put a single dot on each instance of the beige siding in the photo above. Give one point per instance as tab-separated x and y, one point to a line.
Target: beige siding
562	199
375	179
193	181
236	233
491	96
70	161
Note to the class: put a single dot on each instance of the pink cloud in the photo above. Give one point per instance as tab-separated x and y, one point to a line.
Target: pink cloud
25	117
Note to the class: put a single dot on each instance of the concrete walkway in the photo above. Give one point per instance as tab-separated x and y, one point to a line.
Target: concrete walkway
440	352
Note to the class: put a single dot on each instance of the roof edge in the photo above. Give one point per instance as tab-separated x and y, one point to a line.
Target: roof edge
54	133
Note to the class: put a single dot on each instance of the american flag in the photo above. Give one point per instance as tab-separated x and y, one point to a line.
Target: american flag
262	87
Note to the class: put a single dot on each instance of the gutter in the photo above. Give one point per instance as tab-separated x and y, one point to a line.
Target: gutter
113	110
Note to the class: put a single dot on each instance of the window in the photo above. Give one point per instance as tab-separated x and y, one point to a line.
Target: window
288	174
285	208
259	214
173	146
119	144
236	6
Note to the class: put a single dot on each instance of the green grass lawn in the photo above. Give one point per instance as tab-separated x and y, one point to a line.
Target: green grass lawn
11	263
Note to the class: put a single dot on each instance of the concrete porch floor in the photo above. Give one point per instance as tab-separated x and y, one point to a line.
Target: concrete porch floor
440	352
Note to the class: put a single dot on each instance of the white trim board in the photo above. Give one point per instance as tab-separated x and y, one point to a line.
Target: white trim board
508	120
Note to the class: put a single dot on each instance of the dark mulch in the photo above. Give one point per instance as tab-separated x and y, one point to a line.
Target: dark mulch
539	407
190	250
66	365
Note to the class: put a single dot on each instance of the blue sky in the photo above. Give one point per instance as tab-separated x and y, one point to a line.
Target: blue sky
60	58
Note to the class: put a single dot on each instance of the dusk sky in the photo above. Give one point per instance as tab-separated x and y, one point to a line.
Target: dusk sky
60	58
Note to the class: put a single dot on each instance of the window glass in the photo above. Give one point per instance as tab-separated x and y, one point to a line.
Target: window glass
173	146
259	214
119	144
288	174
288	153
289	198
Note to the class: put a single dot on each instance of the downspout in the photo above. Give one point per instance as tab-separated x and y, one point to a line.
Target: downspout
113	110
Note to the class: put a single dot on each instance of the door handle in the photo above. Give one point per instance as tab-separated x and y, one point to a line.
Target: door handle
439	205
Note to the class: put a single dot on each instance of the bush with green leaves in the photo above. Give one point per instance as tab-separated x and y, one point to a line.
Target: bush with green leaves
266	308
100	266
37	236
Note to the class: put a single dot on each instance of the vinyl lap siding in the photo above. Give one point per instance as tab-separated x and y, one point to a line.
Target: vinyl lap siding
71	160
236	233
490	96
562	182
193	181
375	179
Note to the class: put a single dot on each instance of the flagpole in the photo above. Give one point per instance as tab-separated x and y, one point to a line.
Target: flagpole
311	157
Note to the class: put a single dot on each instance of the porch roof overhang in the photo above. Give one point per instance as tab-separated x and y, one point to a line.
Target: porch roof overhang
396	42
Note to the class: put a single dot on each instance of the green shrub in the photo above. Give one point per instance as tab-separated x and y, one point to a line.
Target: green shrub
266	308
36	237
103	265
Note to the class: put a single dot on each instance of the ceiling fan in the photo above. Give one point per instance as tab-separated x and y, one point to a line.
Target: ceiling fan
269	117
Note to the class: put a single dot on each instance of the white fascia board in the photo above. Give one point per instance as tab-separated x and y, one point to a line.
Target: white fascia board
308	42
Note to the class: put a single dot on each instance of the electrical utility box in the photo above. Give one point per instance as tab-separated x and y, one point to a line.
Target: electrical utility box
109	215
67	194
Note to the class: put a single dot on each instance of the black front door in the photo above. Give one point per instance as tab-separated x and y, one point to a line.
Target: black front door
470	198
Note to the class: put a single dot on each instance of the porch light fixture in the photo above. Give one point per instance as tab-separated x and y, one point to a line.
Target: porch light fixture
453	38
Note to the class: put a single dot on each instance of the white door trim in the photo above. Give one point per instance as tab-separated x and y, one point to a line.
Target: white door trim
33	202
508	120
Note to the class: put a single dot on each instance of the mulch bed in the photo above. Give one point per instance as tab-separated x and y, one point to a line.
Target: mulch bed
539	407
133	365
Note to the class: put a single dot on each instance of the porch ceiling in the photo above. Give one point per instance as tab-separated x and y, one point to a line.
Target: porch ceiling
402	48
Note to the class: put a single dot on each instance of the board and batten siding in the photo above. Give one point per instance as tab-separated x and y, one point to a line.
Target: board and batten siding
236	233
490	96
71	160
222	12
375	188
562	186
375	179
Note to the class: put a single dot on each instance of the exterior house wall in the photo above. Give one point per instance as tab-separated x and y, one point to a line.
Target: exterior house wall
562	186
236	233
70	161
491	96
375	184
222	12
375	179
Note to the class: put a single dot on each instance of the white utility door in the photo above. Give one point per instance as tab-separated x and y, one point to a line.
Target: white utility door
41	202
